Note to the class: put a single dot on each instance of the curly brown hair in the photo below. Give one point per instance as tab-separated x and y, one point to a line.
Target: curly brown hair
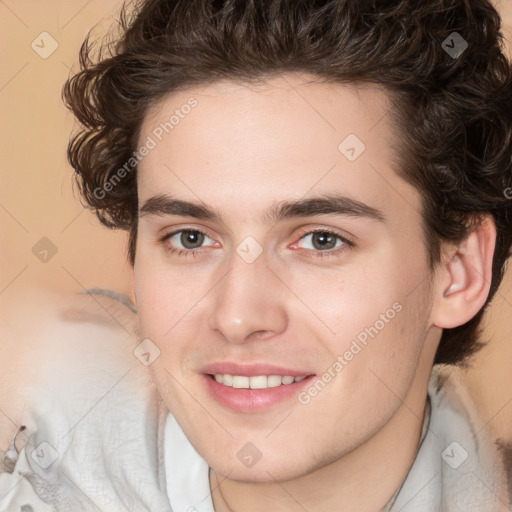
453	110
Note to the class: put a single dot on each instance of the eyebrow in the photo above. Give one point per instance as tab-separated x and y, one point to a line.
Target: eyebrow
326	204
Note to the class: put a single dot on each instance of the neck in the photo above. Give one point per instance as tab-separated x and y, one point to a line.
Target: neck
365	479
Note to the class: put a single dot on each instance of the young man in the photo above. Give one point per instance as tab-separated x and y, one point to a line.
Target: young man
318	200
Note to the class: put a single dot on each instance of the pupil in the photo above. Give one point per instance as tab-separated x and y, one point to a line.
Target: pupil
192	238
324	239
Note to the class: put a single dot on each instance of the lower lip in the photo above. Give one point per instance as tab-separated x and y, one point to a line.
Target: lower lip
253	400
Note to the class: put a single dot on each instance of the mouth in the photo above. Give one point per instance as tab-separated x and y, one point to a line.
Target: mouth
253	388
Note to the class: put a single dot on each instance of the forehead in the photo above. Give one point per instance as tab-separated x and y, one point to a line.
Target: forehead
251	144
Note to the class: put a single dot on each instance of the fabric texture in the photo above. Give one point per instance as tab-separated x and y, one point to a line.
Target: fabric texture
97	436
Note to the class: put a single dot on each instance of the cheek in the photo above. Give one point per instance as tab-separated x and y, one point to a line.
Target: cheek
154	299
373	324
382	349
171	308
344	303
163	293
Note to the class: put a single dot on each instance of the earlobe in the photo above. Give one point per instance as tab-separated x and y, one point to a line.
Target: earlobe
464	277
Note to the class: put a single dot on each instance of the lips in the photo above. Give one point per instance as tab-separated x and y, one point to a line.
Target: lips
253	387
252	369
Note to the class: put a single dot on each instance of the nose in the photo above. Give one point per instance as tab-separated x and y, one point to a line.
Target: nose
249	302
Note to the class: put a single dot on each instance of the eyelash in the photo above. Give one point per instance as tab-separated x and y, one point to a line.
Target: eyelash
310	253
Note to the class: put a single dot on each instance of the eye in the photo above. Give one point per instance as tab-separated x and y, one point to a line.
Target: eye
185	242
323	243
315	243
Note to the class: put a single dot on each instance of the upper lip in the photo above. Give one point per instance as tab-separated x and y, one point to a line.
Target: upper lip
251	369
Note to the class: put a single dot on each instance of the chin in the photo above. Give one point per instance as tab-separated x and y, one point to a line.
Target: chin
269	464
262	472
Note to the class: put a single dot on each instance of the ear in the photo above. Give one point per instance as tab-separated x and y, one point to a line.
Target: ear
463	277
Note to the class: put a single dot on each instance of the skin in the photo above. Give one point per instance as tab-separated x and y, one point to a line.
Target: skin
240	151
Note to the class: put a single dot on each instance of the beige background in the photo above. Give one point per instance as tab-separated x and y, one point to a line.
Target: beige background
37	200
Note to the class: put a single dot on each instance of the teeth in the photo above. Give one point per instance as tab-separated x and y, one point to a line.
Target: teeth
259	382
274	381
240	382
256	382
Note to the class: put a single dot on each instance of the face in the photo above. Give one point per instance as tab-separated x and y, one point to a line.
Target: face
281	272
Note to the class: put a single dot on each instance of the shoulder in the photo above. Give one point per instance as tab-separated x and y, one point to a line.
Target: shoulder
475	463
92	417
458	466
